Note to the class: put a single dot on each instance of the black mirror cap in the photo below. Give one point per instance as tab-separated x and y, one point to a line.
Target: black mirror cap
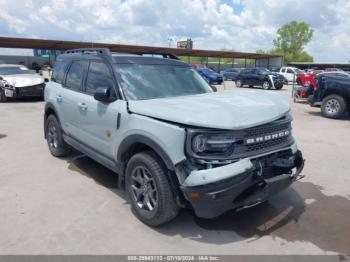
1	78
214	88
103	94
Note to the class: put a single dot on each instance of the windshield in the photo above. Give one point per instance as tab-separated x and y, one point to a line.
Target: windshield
14	70
140	82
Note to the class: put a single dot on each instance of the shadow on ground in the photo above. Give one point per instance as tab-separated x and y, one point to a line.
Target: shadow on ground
300	213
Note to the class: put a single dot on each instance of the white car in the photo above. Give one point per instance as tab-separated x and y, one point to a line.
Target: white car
290	73
19	81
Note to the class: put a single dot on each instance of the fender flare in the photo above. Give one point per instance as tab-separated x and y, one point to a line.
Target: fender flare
136	138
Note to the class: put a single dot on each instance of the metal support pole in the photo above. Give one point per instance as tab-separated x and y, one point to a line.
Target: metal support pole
207	61
233	62
219	64
245	62
268	63
255	63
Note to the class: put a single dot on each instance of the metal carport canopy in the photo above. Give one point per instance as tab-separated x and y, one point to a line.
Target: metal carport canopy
13	42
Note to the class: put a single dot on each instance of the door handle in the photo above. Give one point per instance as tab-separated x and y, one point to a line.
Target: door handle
59	98
83	106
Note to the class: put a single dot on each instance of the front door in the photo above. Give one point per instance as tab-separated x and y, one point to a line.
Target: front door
99	119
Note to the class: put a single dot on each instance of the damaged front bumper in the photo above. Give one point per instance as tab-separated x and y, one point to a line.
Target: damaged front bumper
26	91
242	184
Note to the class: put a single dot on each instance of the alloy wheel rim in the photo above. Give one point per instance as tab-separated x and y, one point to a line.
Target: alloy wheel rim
52	135
332	106
143	189
266	85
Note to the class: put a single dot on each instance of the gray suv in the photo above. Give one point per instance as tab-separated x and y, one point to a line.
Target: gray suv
172	141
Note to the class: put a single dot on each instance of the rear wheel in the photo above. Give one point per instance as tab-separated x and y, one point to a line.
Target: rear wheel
57	146
239	83
152	197
266	85
333	106
3	97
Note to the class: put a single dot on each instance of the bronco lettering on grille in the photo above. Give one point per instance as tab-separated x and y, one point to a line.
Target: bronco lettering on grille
258	139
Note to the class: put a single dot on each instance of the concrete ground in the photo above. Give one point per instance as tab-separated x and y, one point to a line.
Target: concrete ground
72	206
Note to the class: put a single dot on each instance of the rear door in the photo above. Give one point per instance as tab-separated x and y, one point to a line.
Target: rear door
71	94
255	77
246	76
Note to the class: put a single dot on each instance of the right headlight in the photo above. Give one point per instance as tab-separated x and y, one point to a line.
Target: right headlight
202	144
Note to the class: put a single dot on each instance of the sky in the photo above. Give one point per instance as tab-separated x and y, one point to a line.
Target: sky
242	25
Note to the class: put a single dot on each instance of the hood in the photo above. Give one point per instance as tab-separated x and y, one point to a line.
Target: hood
22	80
223	110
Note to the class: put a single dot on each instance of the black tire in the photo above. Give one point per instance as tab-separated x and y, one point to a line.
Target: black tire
239	83
53	133
266	85
3	98
279	87
333	106
161	206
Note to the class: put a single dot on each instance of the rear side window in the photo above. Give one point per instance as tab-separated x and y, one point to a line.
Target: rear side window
99	75
59	71
290	71
75	75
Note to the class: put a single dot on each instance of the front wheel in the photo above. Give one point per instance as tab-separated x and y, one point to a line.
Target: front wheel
239	83
266	85
279	87
333	106
152	197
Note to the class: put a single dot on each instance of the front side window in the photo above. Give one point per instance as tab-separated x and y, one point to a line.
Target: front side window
141	81
75	75
99	75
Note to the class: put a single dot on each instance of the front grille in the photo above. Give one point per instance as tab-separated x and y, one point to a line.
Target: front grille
273	128
267	144
265	129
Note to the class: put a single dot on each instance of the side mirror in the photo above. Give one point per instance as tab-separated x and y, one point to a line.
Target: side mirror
214	88
103	94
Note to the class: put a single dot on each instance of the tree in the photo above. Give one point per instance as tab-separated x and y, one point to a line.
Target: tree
291	40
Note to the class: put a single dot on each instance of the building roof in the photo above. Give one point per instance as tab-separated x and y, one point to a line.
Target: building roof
12	42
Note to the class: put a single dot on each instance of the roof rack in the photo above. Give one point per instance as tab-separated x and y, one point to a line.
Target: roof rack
97	51
107	52
164	55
